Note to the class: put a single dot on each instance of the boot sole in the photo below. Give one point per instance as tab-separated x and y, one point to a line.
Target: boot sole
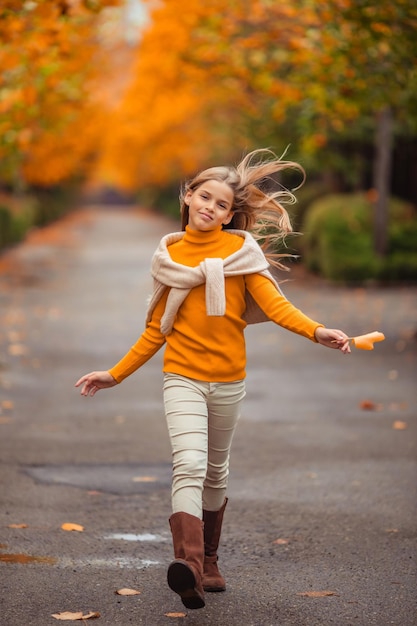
213	589
181	579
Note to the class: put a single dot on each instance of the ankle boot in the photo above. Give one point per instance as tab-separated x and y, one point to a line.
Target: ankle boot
212	579
185	572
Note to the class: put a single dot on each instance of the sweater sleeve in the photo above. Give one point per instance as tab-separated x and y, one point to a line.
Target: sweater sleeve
146	346
277	308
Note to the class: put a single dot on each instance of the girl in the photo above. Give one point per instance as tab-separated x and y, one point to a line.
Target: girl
211	280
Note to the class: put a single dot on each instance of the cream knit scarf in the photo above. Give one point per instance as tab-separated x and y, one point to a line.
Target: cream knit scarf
249	259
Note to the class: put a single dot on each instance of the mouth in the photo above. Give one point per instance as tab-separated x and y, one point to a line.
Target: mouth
205	216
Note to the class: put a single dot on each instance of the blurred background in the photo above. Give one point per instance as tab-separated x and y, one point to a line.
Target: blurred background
119	101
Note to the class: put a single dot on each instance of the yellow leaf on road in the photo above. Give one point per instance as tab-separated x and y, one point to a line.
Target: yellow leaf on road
127	592
317	594
17	349
70	526
71	617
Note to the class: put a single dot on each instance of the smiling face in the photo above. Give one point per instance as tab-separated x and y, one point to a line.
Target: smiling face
209	206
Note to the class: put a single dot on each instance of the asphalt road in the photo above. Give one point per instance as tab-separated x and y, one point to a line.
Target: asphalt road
321	523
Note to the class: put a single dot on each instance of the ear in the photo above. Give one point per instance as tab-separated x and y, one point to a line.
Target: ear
187	197
229	218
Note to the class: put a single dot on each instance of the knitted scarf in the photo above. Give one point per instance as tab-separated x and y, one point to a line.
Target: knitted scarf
249	259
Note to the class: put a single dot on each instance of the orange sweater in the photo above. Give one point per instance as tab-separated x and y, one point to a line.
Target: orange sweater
206	347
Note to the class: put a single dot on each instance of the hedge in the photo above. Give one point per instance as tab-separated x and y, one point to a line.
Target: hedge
338	240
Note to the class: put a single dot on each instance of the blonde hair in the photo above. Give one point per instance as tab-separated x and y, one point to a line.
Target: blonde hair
257	198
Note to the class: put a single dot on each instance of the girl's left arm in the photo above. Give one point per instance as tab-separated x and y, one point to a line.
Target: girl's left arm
281	311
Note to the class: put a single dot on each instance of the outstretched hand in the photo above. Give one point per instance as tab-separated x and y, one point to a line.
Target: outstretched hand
94	381
333	338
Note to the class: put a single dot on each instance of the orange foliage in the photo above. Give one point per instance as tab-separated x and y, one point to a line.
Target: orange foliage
199	75
208	81
48	125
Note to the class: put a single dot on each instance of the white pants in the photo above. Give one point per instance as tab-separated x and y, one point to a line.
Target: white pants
201	419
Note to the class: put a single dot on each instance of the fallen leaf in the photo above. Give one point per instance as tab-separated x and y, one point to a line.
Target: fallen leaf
399	425
70	526
6	420
69	616
366	342
144	479
391	530
175	614
17	349
281	542
7	404
127	592
317	594
368	405
17	526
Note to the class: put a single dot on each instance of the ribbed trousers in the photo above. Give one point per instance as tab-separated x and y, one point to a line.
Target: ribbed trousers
201	419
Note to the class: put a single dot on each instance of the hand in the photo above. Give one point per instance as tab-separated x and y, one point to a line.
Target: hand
332	338
94	381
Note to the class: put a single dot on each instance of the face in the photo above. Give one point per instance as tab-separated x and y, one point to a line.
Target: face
210	205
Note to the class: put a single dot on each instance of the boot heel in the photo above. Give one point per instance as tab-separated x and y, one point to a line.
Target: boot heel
181	579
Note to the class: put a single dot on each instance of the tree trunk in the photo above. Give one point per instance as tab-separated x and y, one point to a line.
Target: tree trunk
382	179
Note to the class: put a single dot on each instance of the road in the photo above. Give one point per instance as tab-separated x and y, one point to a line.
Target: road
320	528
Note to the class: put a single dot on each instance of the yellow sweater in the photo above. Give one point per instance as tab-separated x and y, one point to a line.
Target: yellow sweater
206	347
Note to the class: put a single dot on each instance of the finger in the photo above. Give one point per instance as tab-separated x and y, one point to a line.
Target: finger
86	389
83	379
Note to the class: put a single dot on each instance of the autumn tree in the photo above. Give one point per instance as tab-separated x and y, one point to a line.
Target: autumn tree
362	66
220	78
49	122
209	83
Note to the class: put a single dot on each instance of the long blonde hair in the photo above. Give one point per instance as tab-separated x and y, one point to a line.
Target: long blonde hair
258	197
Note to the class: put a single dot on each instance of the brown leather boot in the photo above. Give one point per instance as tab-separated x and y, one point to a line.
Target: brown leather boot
185	573
212	579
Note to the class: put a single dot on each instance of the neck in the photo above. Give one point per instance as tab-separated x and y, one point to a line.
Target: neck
202	236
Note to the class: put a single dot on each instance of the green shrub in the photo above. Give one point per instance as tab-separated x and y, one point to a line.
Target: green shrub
53	203
164	199
17	216
20	213
309	193
338	240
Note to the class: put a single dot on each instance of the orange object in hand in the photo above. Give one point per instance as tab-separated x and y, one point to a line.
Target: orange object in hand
366	342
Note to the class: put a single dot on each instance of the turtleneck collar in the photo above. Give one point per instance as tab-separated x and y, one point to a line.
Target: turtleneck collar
202	236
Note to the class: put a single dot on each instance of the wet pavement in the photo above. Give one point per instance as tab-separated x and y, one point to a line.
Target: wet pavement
320	528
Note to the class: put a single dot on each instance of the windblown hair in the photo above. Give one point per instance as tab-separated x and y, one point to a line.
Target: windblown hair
258	198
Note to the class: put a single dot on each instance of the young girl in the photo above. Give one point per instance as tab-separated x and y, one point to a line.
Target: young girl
210	281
